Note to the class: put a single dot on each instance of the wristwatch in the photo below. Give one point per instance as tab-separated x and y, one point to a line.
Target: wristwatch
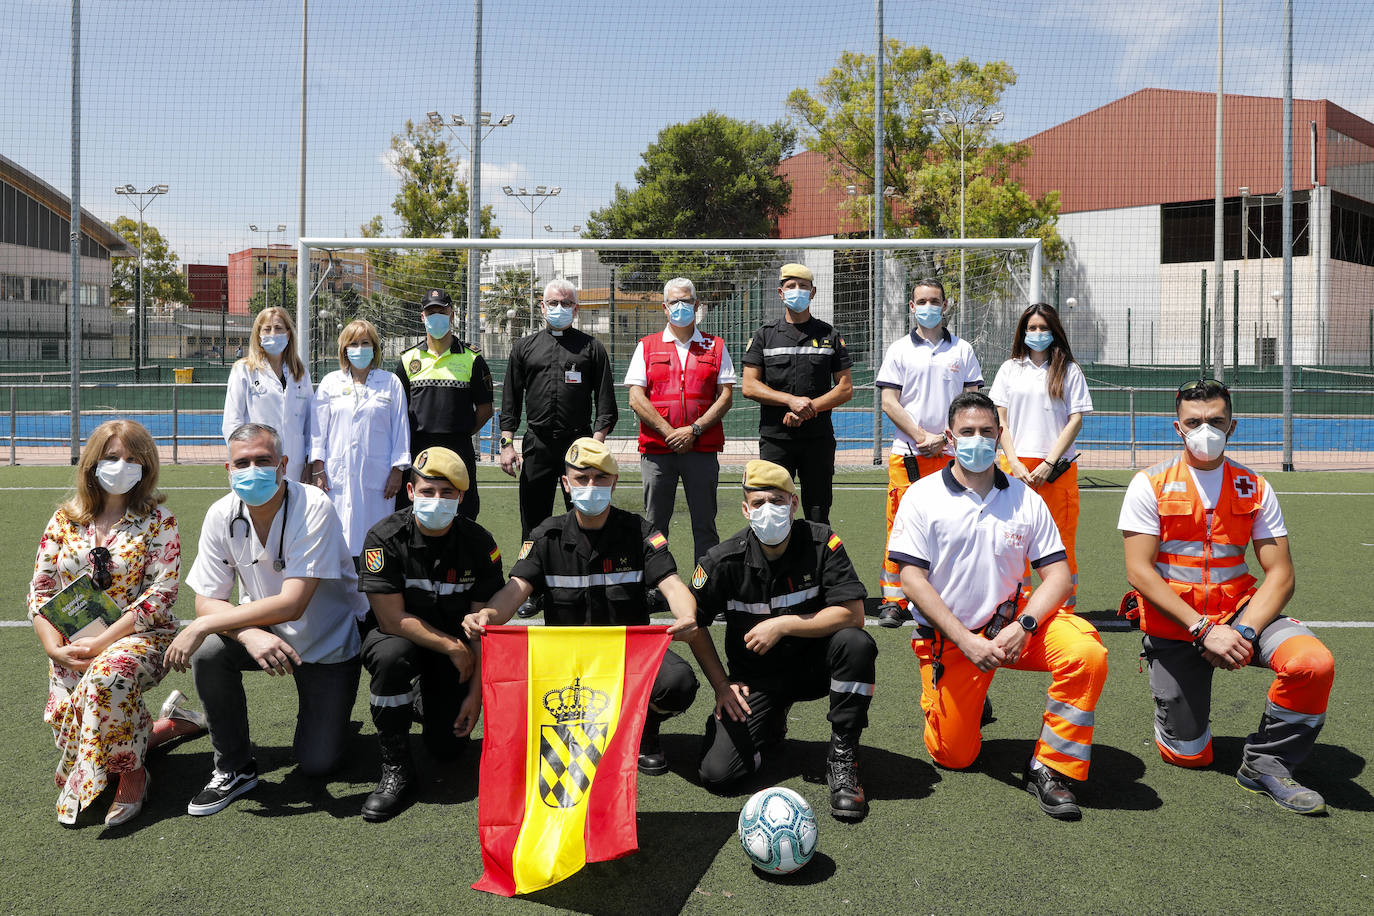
1245	631
1028	623
507	440
697	430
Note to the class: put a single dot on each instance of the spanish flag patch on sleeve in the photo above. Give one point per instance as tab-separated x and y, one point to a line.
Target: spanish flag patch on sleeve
495	555
657	541
834	542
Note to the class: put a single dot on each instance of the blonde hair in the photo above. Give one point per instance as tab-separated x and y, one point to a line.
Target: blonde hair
89	498
350	332
257	356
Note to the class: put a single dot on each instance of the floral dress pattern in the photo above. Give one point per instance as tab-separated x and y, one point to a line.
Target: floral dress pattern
99	720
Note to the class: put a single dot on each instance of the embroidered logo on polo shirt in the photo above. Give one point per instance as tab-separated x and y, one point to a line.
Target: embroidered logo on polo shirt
1014	538
698	577
373	559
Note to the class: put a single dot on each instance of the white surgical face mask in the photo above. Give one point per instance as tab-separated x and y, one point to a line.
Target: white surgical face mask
975	453
1206	442
274	344
117	476
559	317
771	523
434	512
590	501
359	357
797	300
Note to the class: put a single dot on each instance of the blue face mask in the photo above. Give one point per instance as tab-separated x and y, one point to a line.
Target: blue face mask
274	344
929	316
433	512
359	357
559	317
798	300
1039	341
590	500
254	485
437	325
975	453
681	314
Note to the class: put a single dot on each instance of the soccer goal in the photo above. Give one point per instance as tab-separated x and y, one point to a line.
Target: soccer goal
862	288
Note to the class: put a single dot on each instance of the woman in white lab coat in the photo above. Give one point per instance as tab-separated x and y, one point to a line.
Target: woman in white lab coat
360	441
272	386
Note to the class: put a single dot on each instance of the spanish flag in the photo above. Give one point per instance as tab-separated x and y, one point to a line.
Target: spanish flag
565	710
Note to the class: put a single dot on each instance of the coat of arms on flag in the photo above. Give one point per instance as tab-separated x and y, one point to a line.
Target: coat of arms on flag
571	748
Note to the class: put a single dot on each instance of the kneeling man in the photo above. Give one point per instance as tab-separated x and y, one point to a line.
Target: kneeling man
962	538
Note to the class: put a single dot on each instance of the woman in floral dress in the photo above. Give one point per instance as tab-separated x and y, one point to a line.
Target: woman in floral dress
96	684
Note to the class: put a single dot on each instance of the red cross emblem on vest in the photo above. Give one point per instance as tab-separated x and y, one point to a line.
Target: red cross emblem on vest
1243	485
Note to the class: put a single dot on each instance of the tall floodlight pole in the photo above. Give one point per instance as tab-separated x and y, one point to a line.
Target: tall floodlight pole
142	200
963	120
532	201
303	306
1287	332
74	296
1218	219
479	128
877	306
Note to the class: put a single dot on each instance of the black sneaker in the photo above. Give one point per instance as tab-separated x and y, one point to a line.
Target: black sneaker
222	789
893	615
1052	790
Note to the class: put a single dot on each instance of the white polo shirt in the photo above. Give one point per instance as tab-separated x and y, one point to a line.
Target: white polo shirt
1034	418
314	548
637	374
974	549
927	377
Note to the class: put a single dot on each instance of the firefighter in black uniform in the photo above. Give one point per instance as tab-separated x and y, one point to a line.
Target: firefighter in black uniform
798	369
593	566
448	393
794	630
555	374
423	569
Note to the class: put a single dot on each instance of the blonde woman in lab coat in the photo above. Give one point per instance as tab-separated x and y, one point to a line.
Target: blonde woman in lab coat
271	386
360	442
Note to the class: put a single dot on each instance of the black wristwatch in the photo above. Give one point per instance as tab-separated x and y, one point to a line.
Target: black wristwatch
1028	623
1245	631
697	430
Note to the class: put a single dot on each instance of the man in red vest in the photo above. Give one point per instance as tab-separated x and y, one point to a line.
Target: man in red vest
681	383
1187	522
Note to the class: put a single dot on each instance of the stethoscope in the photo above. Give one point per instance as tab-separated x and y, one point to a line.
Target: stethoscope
280	562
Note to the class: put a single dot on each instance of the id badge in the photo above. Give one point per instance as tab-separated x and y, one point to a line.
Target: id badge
572	376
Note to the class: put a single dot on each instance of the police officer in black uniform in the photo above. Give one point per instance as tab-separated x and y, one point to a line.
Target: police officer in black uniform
798	369
448	393
593	567
794	630
423	569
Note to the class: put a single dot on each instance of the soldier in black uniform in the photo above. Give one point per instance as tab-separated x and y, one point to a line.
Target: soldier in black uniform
797	368
555	374
794	630
448	393
423	569
593	566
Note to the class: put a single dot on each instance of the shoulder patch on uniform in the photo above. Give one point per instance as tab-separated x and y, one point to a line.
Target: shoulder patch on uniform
834	542
698	577
1244	485
414	366
373	559
525	549
495	555
842	343
749	346
657	541
1176	486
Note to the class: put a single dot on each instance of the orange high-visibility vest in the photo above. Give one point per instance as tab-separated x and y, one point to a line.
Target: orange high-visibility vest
1202	552
681	394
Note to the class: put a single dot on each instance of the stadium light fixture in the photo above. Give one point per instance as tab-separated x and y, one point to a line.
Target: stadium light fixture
267	270
537	198
456	120
143	200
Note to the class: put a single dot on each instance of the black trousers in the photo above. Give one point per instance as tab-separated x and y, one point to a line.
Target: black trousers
812	463
675	687
843	666
462	445
541	464
394	664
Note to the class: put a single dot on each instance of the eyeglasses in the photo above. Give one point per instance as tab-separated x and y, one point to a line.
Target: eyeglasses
672	302
1197	383
101	575
566	303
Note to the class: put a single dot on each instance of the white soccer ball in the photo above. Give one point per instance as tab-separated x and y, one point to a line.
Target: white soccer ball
777	829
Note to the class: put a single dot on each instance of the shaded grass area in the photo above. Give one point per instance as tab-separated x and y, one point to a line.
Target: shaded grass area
1153	839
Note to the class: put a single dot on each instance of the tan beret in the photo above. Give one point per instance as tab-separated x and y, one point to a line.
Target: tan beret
437	461
765	475
589	453
799	271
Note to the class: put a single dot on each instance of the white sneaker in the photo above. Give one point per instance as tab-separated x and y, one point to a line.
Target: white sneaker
172	709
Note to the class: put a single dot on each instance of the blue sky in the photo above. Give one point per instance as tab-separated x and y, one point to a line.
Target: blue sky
203	96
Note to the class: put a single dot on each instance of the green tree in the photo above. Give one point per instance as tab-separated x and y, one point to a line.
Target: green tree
510	294
431	203
711	177
920	160
273	293
163	282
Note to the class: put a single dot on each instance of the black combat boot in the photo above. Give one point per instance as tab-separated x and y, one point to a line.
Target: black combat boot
398	777
652	761
847	802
